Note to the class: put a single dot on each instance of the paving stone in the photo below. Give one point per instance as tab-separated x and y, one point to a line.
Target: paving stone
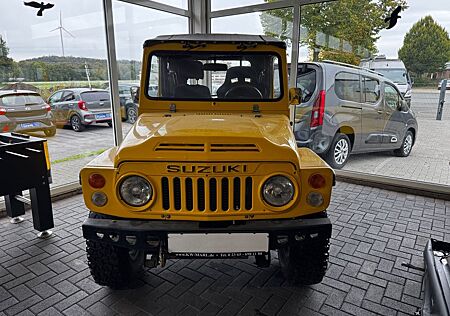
374	232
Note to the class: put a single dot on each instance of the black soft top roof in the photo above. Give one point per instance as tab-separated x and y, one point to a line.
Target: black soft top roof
215	39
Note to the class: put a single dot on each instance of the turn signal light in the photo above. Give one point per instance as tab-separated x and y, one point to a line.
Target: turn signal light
2	111
48	108
97	181
317	181
82	105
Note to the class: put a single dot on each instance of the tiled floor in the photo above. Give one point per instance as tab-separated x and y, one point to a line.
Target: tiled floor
374	232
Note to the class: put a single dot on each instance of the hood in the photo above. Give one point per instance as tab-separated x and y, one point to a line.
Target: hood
208	137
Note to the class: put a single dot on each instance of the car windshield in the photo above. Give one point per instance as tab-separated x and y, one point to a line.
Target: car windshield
214	76
396	75
21	100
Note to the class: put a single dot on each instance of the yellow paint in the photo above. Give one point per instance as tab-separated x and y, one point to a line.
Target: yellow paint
209	140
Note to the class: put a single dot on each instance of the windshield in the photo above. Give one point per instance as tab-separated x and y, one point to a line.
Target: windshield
21	100
396	75
92	96
214	76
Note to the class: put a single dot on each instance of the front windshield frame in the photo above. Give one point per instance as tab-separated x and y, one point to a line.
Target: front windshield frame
211	52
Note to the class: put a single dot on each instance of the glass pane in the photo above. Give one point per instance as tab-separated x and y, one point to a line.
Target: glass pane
346	87
229	4
400	66
233	76
65	48
274	23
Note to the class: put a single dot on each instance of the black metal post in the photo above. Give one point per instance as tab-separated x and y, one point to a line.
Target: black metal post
41	207
14	208
441	99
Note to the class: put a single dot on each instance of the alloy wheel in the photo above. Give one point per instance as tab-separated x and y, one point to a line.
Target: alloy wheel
407	144
341	151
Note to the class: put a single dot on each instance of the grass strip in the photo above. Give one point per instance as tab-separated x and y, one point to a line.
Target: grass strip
79	156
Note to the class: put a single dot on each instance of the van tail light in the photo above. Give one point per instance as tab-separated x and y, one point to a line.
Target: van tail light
2	111
48	108
318	110
82	105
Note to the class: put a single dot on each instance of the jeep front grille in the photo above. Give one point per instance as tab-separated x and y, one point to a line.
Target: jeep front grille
207	194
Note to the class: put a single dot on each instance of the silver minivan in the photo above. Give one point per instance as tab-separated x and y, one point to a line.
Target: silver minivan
346	109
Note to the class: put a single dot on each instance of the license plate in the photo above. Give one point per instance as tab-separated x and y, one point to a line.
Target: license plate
30	125
102	116
220	245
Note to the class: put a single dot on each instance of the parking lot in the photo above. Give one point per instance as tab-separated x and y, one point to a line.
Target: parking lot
429	160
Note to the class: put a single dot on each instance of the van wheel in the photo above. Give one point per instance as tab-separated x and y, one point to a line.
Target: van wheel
337	155
132	114
407	145
75	123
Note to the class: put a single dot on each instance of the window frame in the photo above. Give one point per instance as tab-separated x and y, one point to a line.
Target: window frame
363	83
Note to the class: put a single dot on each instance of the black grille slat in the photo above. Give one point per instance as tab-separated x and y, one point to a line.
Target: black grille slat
236	193
248	193
201	194
165	193
225	194
177	193
189	193
213	194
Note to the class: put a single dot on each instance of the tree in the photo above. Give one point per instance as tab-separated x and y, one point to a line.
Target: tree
426	47
354	25
6	63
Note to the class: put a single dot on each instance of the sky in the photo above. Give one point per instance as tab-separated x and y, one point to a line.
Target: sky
28	35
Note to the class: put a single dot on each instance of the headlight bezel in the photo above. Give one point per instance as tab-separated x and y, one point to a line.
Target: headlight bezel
125	202
292	199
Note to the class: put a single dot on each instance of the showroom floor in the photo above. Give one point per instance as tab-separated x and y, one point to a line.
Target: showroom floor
374	232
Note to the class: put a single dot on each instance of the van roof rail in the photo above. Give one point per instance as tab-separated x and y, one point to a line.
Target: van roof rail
351	66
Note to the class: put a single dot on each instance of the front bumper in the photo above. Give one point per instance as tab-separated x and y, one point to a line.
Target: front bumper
150	235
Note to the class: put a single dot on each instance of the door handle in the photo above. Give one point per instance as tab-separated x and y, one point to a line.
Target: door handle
380	111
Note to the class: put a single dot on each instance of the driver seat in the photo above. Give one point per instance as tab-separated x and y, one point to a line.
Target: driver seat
239	76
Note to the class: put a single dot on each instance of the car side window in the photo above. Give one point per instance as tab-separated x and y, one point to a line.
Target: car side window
68	96
347	87
371	90
56	97
391	97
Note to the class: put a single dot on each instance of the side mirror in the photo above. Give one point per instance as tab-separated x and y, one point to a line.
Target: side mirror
295	96
402	105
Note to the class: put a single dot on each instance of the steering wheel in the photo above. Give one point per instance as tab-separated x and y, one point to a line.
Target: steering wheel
243	92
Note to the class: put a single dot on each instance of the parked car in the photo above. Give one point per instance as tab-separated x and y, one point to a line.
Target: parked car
79	107
347	109
25	111
128	108
393	69
447	87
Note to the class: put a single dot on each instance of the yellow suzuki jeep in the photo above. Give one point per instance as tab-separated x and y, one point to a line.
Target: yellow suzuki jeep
211	168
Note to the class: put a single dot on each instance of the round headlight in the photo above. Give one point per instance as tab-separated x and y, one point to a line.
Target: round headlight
278	190
135	191
315	199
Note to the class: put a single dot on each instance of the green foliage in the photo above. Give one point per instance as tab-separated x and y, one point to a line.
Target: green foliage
356	22
54	68
426	47
6	63
343	57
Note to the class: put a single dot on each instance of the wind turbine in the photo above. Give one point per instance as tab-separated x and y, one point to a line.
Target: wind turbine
61	29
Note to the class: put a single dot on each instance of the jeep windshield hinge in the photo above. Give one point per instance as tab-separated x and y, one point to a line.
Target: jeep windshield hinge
172	108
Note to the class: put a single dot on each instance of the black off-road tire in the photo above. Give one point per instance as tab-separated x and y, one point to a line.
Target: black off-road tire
113	266
337	162
407	145
306	262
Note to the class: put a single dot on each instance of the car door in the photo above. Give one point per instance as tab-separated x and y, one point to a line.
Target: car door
372	116
67	105
53	101
394	120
